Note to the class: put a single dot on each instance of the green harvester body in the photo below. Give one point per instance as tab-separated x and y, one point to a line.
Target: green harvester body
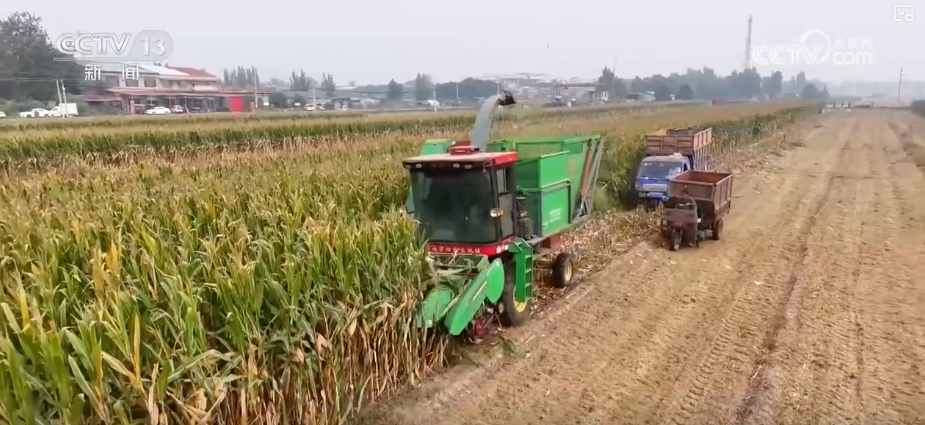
492	216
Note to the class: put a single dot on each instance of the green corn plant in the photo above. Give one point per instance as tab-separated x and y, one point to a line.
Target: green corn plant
255	289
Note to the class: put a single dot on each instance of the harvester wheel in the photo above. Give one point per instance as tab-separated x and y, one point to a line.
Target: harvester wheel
718	230
674	243
511	312
563	270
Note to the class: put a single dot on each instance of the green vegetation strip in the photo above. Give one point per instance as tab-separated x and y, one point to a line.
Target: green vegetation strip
267	292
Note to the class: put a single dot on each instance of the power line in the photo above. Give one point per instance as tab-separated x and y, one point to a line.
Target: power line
41	80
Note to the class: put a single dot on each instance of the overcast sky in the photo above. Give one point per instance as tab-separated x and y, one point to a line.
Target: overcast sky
371	41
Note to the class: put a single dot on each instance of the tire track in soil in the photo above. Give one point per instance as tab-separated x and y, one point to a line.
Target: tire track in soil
816	337
642	364
739	340
892	313
617	358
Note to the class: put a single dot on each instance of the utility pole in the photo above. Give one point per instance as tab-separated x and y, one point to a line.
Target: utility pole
899	91
64	95
255	87
748	46
314	102
435	97
58	91
613	81
457	91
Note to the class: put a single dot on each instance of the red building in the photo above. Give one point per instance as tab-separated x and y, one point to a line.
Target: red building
133	88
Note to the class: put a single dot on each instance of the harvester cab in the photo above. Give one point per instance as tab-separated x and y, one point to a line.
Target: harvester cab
492	214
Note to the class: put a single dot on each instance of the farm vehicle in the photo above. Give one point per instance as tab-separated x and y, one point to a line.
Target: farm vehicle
697	203
668	154
493	213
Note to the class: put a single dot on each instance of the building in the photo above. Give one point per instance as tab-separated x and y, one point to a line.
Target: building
135	87
599	96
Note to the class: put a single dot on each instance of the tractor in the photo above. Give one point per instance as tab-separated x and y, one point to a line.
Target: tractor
493	214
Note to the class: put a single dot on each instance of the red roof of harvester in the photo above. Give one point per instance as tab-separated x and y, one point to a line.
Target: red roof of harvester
486	158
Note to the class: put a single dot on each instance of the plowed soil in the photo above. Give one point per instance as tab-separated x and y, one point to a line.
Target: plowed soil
810	310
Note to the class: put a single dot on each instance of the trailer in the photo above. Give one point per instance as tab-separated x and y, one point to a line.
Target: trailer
492	214
698	201
669	153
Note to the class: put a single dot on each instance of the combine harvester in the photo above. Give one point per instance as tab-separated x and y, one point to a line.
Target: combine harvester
669	153
493	213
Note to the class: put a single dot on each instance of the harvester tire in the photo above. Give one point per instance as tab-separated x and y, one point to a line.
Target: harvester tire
563	270
717	230
510	313
674	241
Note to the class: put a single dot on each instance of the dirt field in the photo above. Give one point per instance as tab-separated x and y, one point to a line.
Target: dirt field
811	310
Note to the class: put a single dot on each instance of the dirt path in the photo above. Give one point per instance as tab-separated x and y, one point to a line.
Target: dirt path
811	309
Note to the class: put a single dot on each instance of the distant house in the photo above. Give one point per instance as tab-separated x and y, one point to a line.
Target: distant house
598	95
128	86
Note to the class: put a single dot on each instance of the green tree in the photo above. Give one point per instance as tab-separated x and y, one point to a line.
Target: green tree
241	77
684	93
278	100
775	84
327	84
468	88
27	60
662	94
394	90
423	87
615	86
300	81
810	92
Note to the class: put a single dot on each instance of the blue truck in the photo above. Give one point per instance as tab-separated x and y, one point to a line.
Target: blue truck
669	153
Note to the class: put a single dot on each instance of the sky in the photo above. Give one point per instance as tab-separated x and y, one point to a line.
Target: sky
372	41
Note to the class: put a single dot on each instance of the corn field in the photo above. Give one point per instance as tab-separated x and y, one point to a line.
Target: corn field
263	286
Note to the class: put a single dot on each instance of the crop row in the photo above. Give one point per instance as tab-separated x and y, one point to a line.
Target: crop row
268	290
44	145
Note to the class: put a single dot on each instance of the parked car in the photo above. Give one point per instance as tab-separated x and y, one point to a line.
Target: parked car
157	110
178	109
2	114
35	113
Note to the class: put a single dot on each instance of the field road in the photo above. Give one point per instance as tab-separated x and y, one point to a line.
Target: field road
811	310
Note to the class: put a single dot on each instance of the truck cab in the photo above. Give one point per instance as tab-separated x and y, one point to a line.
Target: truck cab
654	174
464	200
669	153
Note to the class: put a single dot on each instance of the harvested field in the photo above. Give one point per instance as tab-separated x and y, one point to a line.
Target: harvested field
267	284
811	310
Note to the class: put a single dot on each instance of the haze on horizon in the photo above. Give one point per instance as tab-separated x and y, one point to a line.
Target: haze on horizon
371	42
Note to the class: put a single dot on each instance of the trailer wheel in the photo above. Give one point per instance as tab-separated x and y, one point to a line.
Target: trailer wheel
718	230
510	312
563	270
674	243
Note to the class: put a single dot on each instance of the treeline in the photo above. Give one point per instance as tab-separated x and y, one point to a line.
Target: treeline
705	83
28	65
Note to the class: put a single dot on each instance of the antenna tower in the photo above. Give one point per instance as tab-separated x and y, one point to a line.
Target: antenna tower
748	46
